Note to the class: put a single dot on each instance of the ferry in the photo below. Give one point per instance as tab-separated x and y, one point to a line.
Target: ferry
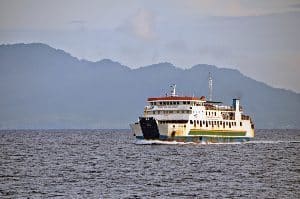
193	119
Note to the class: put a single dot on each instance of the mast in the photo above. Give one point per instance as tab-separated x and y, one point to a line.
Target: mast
210	87
173	91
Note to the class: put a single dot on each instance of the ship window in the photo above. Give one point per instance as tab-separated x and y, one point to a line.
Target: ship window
229	124
206	124
205	113
158	112
182	111
208	113
197	121
241	124
177	103
226	123
173	126
221	122
177	111
191	121
200	123
160	103
170	111
215	113
184	102
214	122
153	112
164	103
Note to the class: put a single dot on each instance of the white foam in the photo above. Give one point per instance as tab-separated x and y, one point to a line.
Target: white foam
272	142
160	142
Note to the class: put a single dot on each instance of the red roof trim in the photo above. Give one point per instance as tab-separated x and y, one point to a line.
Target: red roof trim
172	98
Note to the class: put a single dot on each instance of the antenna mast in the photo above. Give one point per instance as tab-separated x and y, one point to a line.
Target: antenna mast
210	87
173	91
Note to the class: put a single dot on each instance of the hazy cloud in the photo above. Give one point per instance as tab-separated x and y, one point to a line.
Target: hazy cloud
143	24
235	7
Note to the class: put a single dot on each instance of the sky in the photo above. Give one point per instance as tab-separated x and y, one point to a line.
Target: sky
258	37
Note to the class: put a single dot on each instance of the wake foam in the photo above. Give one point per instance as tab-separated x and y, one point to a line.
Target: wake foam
271	141
160	142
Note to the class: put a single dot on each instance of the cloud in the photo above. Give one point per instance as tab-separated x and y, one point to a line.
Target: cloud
77	22
143	25
235	8
297	5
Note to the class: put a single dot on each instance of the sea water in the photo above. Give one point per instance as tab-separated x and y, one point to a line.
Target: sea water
113	164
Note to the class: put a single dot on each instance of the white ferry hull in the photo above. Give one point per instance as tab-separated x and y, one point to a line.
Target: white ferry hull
193	119
190	133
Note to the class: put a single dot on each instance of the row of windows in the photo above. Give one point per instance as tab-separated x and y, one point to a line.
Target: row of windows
169	112
211	113
214	123
175	103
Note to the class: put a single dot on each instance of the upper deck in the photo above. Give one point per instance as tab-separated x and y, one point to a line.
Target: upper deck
174	98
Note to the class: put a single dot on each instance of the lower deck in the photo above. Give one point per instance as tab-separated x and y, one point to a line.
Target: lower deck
150	128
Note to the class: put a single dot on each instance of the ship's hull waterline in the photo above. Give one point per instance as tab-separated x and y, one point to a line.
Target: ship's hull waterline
200	139
153	131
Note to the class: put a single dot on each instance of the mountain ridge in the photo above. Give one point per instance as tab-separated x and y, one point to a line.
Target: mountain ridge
44	87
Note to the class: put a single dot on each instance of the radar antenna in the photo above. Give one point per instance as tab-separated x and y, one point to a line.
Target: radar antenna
173	91
210	87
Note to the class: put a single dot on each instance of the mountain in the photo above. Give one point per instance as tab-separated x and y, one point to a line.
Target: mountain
43	87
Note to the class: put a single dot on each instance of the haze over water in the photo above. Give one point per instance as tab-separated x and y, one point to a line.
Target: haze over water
111	164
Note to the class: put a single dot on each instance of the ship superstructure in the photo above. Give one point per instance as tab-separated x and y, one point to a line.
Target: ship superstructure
192	119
